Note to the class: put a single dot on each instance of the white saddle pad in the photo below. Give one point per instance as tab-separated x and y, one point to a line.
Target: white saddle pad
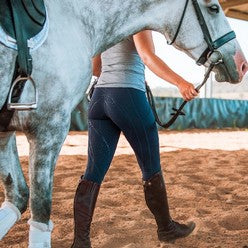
33	43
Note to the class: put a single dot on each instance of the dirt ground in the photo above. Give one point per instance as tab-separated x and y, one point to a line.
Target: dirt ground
206	177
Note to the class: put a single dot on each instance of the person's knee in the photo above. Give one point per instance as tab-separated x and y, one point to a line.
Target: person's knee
151	173
93	178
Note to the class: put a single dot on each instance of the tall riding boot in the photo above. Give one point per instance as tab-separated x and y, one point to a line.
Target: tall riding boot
156	200
84	205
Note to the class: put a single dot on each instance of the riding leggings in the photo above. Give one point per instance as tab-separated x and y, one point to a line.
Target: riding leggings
116	110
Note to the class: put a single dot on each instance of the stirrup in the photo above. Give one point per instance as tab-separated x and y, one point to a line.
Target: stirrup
22	106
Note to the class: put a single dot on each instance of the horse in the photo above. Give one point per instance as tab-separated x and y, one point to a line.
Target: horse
62	70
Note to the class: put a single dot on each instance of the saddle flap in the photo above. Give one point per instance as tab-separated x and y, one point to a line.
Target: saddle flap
32	16
36	10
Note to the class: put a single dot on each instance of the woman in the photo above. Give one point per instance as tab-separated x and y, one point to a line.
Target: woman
118	105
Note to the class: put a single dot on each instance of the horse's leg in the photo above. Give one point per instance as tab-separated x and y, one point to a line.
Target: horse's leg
16	190
45	144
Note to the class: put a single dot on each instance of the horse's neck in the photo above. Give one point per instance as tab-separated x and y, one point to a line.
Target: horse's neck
107	22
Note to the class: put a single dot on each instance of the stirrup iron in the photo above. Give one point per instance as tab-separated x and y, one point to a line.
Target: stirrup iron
22	106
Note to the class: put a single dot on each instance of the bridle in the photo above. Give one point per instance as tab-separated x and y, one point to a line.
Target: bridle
212	48
212	45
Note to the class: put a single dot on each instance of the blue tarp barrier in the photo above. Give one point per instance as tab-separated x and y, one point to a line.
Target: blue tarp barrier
200	113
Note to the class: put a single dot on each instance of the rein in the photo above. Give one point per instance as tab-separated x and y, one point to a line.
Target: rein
179	110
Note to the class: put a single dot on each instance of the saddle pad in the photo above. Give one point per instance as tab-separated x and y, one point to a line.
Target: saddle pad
33	43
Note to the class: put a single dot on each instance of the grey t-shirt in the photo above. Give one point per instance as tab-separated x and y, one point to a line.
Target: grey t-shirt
122	67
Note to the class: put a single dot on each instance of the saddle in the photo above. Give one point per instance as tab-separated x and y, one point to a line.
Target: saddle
31	12
21	20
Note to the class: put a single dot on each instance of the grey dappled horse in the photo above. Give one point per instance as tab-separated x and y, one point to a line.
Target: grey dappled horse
62	71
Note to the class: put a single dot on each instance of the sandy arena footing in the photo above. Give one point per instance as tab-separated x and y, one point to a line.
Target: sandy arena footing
206	177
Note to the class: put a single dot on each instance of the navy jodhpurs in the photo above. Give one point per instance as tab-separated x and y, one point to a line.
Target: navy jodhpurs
116	110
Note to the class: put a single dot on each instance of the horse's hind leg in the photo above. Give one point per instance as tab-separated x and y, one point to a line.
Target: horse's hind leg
16	190
45	145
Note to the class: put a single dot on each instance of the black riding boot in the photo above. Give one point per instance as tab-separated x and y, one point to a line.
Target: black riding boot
156	200
84	205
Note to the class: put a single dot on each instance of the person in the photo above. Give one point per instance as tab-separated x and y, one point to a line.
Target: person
119	104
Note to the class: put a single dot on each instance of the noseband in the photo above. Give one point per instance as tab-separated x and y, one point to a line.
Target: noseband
212	48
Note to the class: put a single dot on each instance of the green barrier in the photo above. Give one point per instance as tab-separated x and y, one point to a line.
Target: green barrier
200	113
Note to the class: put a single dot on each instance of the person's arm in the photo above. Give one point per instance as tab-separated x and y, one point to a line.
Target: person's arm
96	65
145	48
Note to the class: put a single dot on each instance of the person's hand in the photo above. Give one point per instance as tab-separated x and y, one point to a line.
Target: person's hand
187	90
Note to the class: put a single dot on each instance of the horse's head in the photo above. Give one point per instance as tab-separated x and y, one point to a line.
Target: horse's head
204	29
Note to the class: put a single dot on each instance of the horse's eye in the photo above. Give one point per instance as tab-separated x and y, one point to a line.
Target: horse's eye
214	8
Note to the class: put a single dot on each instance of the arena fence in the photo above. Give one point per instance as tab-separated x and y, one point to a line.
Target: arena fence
200	113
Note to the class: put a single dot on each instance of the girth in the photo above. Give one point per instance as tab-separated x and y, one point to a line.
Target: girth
22	20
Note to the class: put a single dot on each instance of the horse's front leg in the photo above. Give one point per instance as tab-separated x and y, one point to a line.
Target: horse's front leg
45	144
11	175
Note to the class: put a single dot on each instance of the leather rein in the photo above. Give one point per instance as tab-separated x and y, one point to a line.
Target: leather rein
212	48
